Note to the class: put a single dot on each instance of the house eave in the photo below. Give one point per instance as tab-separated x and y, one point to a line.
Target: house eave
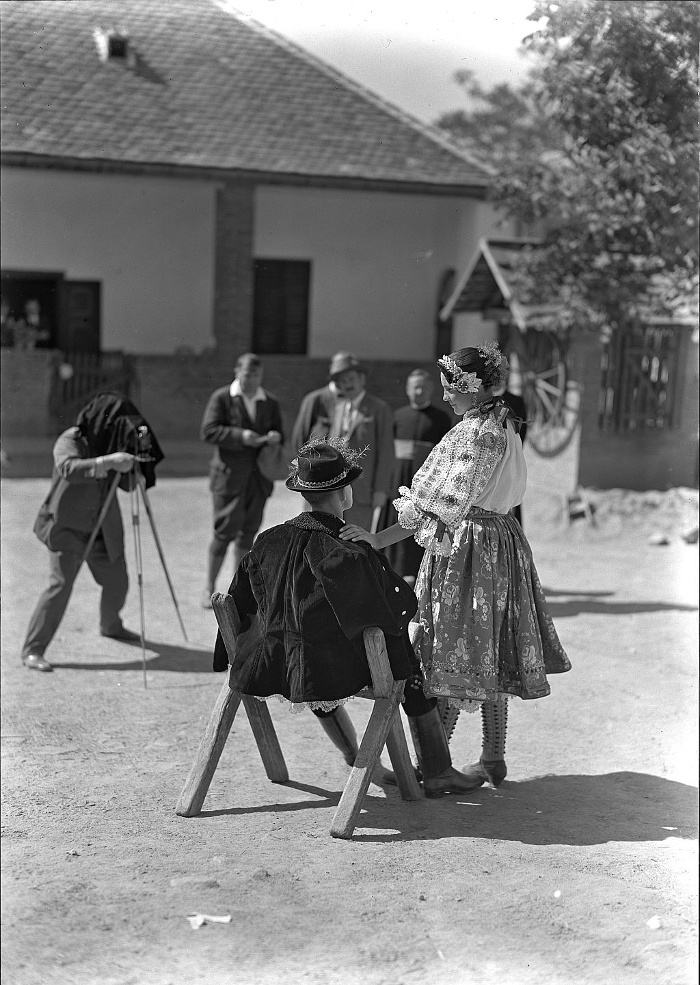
167	170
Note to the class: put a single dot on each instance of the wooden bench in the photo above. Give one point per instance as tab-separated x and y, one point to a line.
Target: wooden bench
384	728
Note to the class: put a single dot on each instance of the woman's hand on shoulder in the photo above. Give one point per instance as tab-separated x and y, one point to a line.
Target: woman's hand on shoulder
352	532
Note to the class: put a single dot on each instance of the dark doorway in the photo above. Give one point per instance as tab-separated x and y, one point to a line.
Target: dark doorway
69	311
19	287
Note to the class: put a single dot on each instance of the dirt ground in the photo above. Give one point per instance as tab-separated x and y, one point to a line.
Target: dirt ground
581	868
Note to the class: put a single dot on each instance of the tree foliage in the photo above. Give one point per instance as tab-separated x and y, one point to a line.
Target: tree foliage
600	152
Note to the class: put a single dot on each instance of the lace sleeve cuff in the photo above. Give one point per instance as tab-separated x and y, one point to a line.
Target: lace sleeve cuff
410	516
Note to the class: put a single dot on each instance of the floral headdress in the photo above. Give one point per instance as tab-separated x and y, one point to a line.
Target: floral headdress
496	364
459	379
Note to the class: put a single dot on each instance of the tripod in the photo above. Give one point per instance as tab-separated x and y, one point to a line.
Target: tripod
137	485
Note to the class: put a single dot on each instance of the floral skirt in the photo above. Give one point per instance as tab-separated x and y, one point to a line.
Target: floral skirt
483	626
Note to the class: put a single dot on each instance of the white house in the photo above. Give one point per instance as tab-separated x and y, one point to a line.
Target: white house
177	178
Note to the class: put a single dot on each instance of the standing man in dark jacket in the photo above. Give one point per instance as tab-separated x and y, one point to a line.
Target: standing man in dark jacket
239	420
343	409
418	427
304	598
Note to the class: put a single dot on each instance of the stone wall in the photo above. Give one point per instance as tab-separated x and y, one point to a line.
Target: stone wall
26	384
172	392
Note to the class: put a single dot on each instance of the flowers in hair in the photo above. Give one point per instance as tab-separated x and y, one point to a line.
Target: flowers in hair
490	353
495	364
462	381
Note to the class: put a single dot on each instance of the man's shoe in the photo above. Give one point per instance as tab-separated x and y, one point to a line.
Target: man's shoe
34	661
124	635
205	601
451	781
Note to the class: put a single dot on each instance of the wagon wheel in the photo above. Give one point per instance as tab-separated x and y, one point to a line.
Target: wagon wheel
552	399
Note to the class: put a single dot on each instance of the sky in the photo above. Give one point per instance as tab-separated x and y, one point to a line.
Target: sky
404	50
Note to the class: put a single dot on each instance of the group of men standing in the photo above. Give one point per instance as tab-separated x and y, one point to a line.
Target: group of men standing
242	418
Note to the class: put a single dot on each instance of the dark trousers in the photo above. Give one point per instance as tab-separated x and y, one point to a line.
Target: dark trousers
63	570
238	516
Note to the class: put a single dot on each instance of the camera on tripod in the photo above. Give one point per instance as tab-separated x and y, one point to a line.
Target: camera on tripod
143	442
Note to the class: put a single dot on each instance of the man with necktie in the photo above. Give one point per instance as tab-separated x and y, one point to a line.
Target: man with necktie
344	409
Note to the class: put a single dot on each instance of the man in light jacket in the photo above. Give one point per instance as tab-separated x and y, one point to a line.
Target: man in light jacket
343	409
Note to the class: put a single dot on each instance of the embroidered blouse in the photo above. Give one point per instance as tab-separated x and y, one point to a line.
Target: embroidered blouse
478	463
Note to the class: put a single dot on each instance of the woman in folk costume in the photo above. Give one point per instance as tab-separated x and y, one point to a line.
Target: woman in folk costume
483	632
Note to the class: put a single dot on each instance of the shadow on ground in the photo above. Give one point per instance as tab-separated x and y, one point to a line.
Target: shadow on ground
578	602
546	810
175	659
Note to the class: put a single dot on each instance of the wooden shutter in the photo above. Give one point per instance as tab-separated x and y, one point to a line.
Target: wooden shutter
281	306
79	322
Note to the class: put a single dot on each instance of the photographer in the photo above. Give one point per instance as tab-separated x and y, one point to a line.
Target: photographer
109	437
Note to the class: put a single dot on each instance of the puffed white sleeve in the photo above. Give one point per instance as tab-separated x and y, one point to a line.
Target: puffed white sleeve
446	486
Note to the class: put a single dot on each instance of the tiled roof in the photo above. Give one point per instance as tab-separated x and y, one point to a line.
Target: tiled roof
207	90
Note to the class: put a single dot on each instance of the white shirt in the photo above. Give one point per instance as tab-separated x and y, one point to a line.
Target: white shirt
235	391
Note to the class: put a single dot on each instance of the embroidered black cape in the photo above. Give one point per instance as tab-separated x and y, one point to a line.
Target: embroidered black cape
304	598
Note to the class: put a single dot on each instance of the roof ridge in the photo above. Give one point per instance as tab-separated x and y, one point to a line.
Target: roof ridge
228	7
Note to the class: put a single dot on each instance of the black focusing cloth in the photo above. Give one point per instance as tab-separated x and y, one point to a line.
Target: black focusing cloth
110	422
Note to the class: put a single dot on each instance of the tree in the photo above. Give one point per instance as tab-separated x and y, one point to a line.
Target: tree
615	187
502	124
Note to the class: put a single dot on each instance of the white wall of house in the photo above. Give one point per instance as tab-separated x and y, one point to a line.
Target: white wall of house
376	258
376	262
149	241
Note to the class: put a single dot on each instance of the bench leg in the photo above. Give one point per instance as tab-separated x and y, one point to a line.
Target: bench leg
209	752
373	742
409	787
266	738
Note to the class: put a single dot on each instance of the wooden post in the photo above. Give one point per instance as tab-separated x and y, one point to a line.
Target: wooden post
209	752
266	739
373	742
383	686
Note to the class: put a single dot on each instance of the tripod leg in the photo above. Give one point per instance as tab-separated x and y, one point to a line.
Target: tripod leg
156	538
136	526
102	514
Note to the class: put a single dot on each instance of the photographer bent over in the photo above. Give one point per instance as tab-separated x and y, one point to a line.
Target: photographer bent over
305	597
84	456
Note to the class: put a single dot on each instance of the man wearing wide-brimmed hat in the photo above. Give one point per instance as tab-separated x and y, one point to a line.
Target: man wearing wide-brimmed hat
304	598
344	409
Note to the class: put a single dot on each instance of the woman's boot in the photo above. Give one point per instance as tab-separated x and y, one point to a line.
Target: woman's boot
494	722
448	716
339	728
439	775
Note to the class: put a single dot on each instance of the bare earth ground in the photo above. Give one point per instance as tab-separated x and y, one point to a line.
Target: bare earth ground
551	879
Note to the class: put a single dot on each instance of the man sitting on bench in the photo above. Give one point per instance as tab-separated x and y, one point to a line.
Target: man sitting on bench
304	598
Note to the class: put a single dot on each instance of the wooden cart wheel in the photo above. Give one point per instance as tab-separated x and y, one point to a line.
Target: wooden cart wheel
552	399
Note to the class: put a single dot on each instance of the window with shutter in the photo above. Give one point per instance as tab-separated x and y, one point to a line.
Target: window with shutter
281	306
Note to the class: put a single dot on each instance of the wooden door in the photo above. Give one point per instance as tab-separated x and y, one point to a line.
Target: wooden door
79	321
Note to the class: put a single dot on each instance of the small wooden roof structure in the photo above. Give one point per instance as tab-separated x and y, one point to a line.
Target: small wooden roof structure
484	286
